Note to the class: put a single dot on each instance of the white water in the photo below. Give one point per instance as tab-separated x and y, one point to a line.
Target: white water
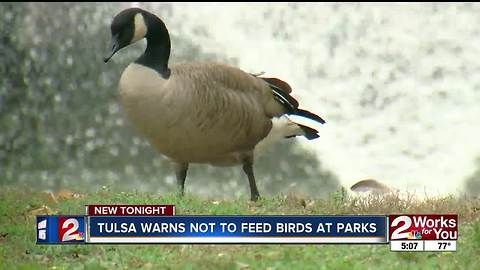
415	65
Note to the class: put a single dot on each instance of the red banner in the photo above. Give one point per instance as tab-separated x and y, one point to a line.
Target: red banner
130	210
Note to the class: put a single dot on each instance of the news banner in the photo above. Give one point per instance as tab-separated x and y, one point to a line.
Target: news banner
138	224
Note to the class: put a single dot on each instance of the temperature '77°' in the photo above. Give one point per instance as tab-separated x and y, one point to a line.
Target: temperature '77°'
443	245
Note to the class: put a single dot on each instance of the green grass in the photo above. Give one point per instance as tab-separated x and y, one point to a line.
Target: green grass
19	251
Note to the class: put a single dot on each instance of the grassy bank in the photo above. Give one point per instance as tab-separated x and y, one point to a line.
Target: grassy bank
19	251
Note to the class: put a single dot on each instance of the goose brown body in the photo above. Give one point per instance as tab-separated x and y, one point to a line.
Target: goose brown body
200	112
203	113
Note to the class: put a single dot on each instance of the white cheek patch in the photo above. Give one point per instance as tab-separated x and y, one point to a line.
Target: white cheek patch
140	28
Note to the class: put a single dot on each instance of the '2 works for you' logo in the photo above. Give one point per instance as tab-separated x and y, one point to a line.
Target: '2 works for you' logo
423	227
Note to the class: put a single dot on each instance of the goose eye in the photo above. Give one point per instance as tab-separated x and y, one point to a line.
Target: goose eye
124	36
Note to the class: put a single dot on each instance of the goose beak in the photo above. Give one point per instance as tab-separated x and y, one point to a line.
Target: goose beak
115	46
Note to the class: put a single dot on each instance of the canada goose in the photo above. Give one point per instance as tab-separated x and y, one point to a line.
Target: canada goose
200	112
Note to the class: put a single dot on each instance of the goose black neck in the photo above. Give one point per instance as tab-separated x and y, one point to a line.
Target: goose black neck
158	46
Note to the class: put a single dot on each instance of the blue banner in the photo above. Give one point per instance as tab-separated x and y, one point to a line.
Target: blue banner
356	229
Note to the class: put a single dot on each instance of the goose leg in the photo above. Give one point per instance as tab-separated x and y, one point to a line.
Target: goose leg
181	173
248	169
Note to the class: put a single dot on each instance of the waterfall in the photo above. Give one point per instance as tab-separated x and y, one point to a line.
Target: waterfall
397	83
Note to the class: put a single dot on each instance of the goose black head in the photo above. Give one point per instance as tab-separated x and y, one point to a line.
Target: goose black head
127	27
